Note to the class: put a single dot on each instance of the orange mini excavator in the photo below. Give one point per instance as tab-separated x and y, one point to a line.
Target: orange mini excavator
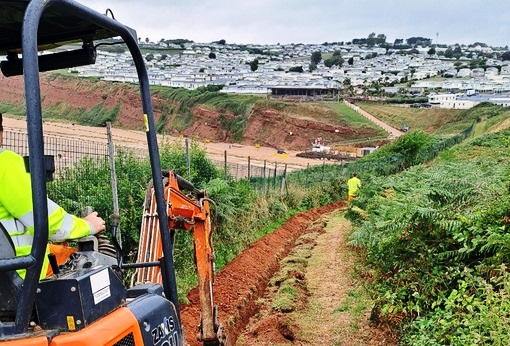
85	302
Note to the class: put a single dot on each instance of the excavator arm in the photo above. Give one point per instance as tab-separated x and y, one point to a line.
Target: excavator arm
188	212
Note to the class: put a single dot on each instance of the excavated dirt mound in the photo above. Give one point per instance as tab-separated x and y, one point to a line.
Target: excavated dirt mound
239	284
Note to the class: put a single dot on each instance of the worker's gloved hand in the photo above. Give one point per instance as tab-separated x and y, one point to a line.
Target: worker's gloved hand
96	221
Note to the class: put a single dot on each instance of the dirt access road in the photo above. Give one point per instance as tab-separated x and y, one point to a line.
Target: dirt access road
330	306
137	139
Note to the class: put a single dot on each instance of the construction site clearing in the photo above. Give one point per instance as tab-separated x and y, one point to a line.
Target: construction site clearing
337	152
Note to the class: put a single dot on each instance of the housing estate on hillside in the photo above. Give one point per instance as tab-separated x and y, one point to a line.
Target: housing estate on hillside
368	66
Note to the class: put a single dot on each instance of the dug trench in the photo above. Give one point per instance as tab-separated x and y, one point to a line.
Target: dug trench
242	282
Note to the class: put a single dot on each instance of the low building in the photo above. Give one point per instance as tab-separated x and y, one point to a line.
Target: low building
464	101
299	93
451	101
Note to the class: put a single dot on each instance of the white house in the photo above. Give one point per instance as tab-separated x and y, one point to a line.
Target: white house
451	101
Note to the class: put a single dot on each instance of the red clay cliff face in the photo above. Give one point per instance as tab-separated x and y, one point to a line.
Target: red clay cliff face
80	94
267	127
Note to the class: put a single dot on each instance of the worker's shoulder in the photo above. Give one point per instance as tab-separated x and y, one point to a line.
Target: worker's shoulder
10	159
8	154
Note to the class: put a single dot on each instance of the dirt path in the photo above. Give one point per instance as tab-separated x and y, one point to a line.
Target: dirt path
330	306
332	316
338	311
244	280
307	260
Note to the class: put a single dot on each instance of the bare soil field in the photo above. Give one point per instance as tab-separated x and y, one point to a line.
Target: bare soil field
137	139
286	129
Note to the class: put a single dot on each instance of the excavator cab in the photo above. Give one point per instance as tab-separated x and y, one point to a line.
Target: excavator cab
86	303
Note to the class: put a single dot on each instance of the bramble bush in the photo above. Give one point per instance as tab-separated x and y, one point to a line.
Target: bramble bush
436	243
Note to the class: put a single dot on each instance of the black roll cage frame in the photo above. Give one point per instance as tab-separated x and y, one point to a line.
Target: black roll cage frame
33	262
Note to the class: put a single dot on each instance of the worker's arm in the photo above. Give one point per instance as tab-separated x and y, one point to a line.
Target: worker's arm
15	188
65	226
16	198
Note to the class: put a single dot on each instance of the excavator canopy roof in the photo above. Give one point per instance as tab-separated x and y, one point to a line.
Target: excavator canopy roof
56	28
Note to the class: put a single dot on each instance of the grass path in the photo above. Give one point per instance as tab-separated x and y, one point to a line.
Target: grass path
315	298
339	308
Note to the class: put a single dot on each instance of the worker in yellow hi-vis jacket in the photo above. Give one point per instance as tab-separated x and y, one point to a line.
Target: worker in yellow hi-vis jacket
353	185
16	211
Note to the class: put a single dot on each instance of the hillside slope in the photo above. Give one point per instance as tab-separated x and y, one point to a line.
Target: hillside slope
92	102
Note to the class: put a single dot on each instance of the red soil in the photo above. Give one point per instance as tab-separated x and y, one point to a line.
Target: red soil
239	284
267	127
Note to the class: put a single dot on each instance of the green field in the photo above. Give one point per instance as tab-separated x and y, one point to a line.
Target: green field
330	113
430	120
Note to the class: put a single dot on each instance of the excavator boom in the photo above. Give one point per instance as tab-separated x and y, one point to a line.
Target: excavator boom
191	213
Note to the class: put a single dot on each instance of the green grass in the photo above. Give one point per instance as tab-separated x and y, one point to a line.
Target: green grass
350	117
485	115
430	120
436	240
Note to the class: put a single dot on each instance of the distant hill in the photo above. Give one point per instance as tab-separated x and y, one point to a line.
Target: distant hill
210	115
205	114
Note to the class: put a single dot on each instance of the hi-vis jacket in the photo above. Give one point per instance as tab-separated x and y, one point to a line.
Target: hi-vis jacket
354	184
16	212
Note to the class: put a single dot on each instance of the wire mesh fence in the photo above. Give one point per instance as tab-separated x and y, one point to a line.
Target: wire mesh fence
82	166
262	175
67	152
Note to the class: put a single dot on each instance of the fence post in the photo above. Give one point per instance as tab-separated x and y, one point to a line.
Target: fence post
274	176
322	178
113	177
264	178
249	169
284	179
225	166
306	175
188	163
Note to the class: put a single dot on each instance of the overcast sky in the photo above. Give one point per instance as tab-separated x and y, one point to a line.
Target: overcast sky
313	21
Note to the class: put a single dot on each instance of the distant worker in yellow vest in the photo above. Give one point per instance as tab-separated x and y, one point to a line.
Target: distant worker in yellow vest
354	185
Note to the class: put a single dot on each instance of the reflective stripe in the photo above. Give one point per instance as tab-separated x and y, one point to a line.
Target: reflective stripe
27	219
16	231
92	228
65	229
13	226
52	206
22	240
